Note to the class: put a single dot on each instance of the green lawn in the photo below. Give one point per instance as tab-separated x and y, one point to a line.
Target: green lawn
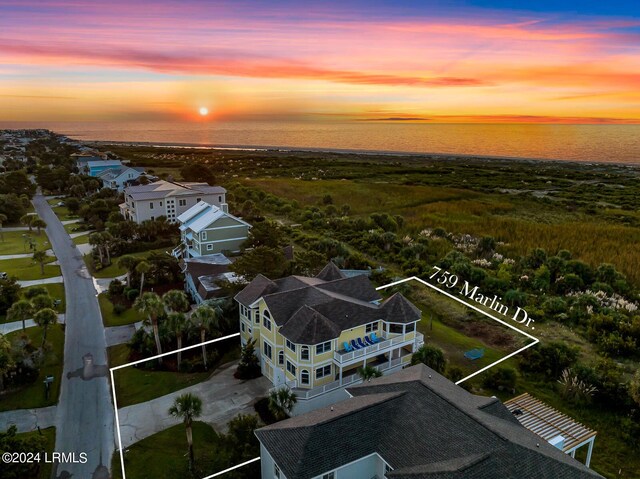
14	241
109	318
28	269
113	270
135	385
164	455
75	227
50	436
84	239
32	396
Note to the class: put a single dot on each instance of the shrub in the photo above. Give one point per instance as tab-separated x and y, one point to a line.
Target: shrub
131	294
550	359
430	356
35	291
119	308
575	389
502	379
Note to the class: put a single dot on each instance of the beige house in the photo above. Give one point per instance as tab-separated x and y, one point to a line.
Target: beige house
169	199
312	334
208	230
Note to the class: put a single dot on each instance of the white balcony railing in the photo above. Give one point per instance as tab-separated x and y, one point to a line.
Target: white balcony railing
384	345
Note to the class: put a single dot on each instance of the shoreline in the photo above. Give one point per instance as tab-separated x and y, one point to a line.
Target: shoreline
346	151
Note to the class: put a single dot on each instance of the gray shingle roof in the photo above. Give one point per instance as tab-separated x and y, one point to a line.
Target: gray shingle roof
330	272
345	302
425	427
308	326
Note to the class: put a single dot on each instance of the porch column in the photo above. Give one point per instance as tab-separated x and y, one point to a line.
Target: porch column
593	439
341	375
573	453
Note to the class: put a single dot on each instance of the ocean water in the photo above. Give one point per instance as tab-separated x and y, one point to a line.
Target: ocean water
589	143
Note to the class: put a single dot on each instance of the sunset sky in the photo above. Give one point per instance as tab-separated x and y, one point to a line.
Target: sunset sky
478	61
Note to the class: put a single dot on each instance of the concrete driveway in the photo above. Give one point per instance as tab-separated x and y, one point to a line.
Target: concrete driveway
223	398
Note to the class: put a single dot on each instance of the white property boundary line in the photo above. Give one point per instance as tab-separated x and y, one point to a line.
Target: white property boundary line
255	459
115	400
421	281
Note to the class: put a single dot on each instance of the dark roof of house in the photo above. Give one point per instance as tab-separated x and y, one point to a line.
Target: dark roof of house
424	427
330	272
308	326
344	302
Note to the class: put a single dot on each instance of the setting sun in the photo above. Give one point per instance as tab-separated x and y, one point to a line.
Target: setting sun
204	111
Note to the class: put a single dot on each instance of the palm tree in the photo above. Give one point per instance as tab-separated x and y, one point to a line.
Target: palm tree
27	220
281	402
3	218
152	307
187	407
44	318
368	372
107	239
20	311
6	359
203	318
128	262
142	268
431	356
176	301
179	325
97	240
38	223
40	257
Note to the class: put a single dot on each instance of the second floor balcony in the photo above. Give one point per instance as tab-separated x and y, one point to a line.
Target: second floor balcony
386	343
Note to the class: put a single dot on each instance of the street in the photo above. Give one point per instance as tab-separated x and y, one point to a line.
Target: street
84	416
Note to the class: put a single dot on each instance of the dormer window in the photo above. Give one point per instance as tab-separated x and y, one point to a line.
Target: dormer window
266	320
291	346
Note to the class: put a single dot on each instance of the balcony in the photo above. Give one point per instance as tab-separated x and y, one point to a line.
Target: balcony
349	380
388	342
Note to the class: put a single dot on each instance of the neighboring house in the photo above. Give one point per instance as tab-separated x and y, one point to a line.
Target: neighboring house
206	229
119	178
201	275
94	168
169	199
414	424
311	333
82	159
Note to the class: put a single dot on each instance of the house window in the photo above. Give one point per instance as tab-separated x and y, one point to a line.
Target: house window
371	327
153	218
266	319
281	357
304	353
182	202
219	199
387	469
409	328
249	330
304	376
198	201
257	316
151	205
203	235
323	348
276	471
291	368
395	329
266	347
161	204
209	247
242	326
329	475
291	346
323	371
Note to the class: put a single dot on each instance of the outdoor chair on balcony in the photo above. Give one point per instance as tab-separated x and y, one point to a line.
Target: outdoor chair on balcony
375	338
361	343
347	348
369	341
474	354
355	345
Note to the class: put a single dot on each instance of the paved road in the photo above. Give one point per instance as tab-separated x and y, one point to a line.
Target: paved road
84	419
223	398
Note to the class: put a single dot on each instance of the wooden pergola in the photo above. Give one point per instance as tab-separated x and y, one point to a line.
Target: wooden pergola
551	425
